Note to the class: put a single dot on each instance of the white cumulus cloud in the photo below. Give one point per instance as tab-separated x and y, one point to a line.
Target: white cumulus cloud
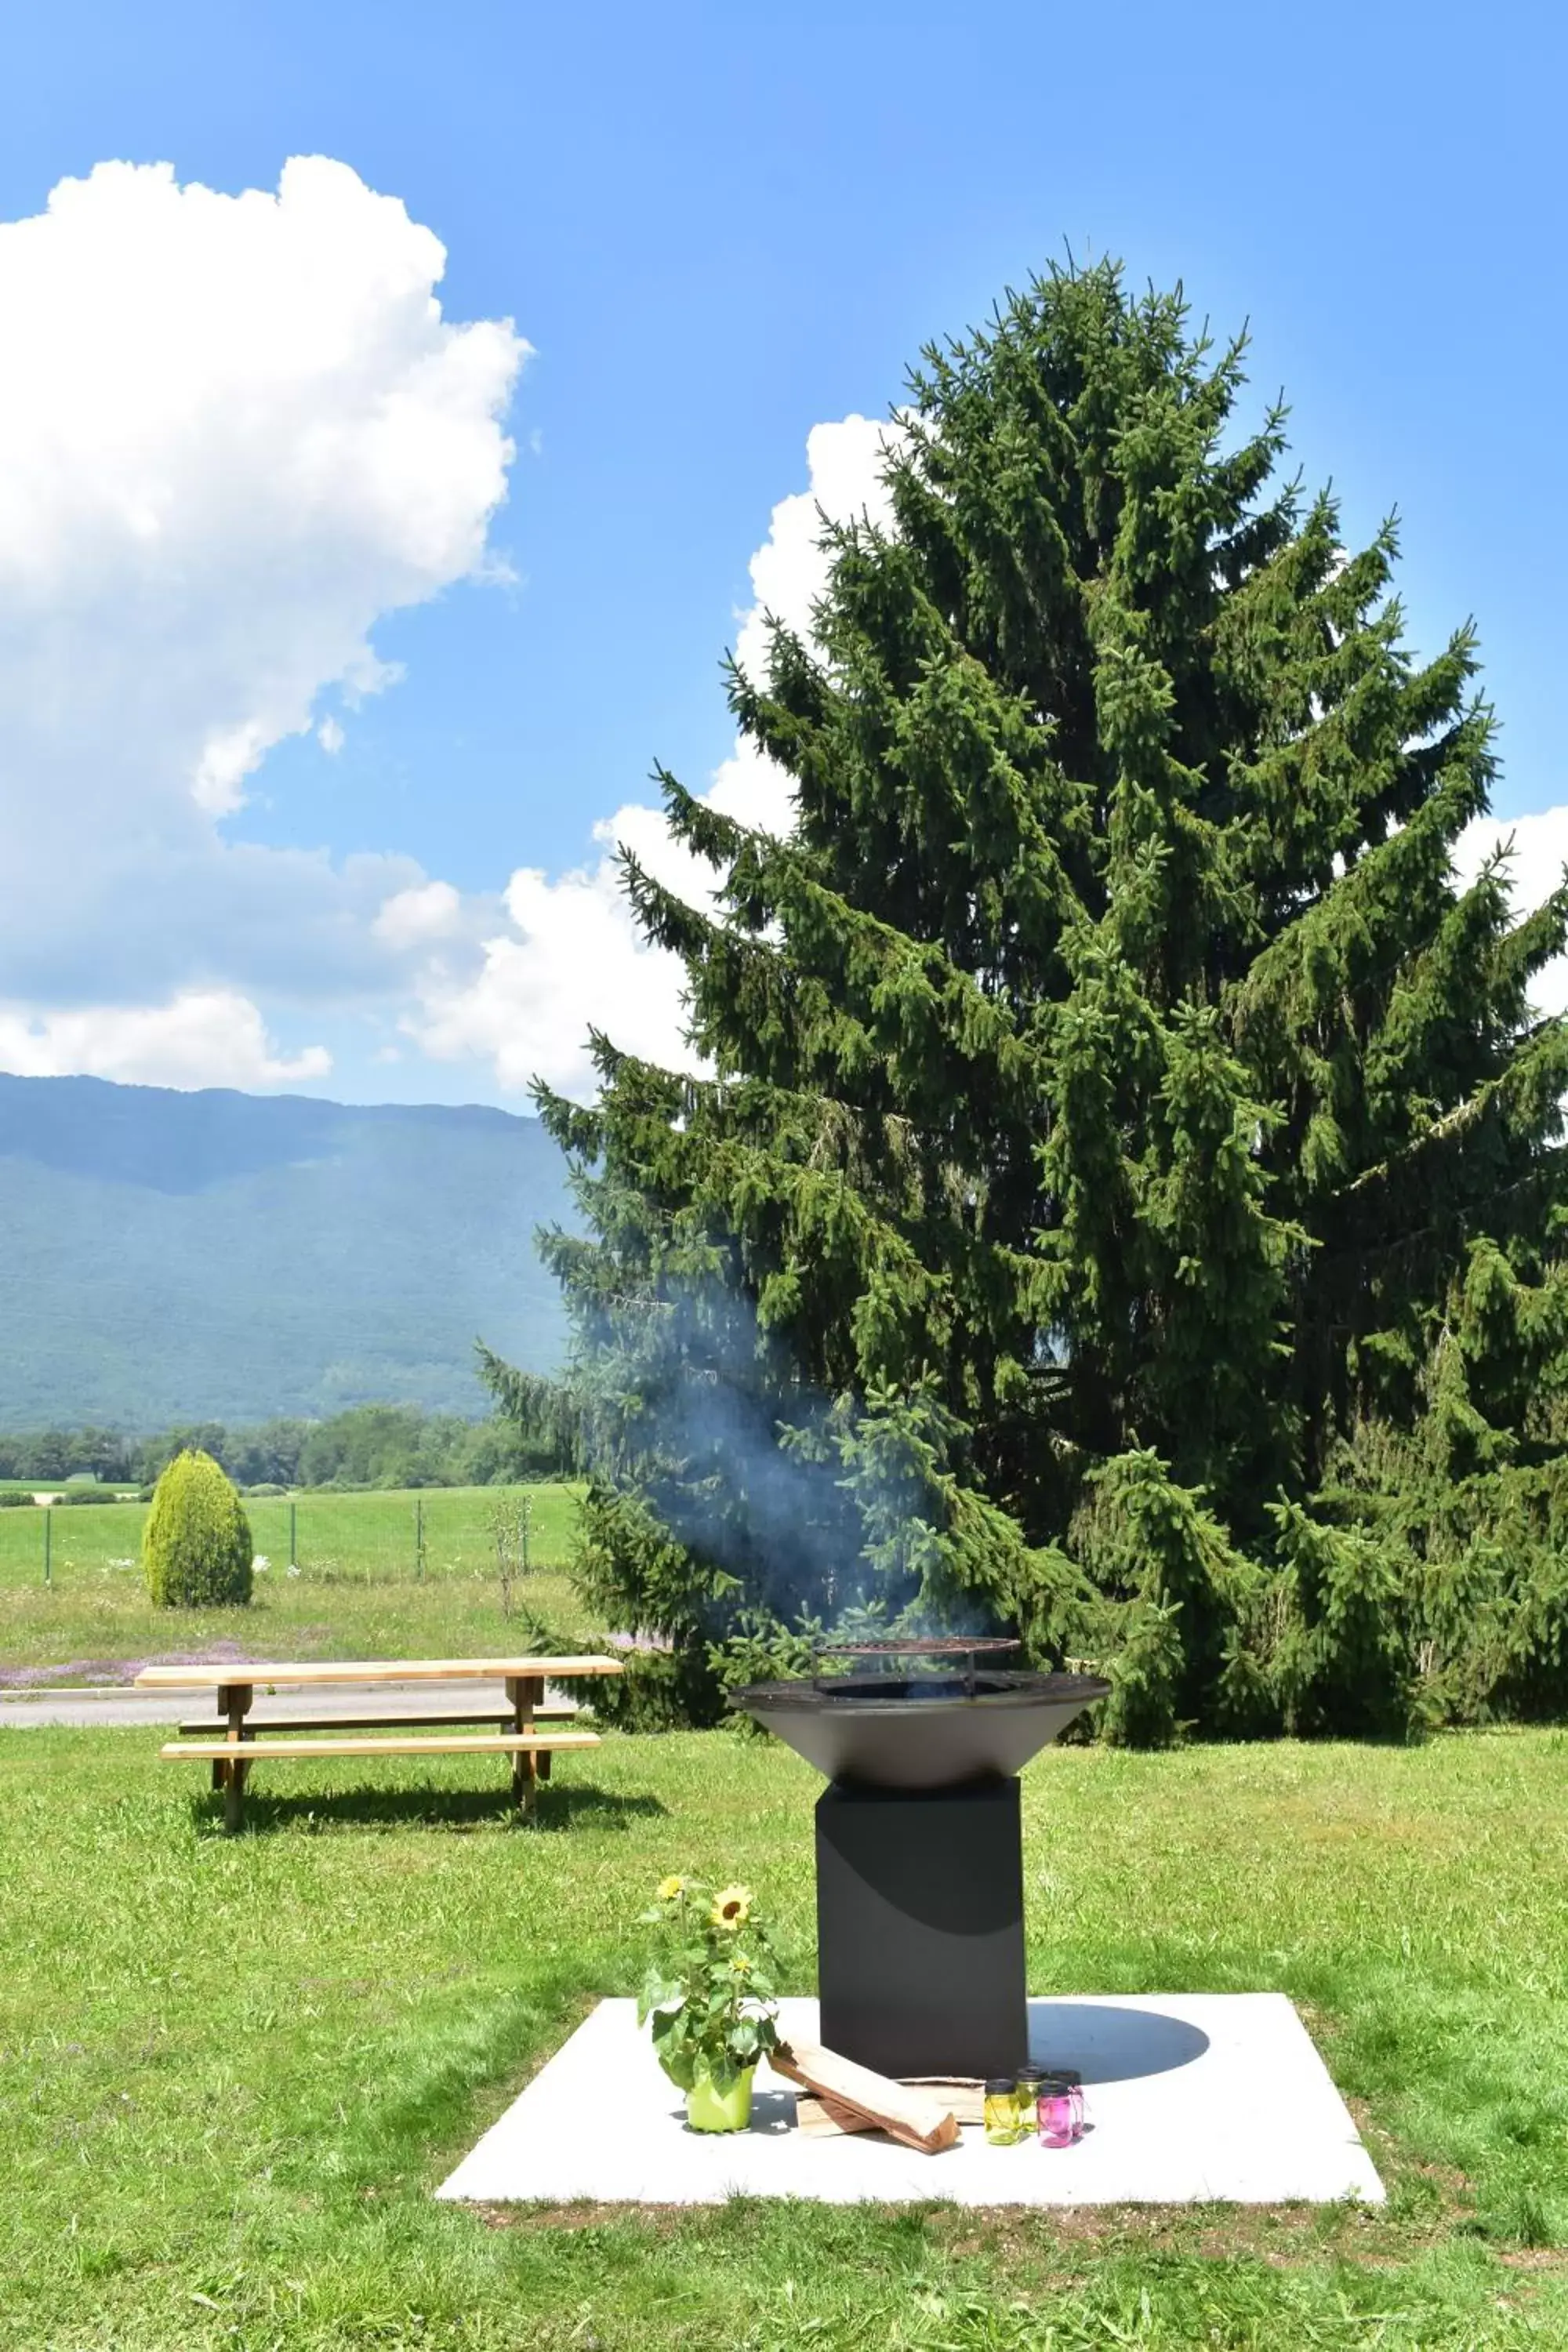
204	1038
571	958
570	955
234	432
413	918
1538	844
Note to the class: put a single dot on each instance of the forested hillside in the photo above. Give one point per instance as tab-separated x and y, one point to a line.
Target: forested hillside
167	1256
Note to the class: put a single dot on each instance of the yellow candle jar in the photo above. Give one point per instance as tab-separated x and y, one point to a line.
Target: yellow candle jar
1030	2080
1000	2111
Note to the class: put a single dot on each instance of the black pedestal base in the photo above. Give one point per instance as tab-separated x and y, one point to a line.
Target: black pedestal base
919	1928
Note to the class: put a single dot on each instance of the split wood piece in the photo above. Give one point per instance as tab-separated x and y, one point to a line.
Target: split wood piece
964	2094
920	2119
827	2118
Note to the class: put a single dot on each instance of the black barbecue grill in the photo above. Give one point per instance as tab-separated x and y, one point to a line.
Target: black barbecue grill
920	1869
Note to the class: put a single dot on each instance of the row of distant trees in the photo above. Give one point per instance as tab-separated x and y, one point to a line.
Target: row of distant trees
368	1445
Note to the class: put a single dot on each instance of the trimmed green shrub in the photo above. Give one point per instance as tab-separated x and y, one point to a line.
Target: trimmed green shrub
196	1547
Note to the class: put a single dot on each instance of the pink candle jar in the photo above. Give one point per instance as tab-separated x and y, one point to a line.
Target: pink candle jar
1059	2112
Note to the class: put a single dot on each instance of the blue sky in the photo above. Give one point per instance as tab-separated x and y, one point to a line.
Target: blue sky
715	229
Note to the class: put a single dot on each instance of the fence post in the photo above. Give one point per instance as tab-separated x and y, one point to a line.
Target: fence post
48	1543
419	1538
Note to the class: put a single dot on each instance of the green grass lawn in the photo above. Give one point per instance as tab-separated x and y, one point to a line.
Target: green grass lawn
357	1593
231	2071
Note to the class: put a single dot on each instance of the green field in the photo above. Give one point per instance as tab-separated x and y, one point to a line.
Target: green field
233	2070
358	1592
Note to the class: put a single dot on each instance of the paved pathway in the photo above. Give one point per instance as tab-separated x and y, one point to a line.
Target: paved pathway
79	1708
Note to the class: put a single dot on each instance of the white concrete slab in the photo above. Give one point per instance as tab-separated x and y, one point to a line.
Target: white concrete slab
1189	2097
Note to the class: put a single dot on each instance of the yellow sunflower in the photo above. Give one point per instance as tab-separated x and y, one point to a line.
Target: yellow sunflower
732	1907
669	1888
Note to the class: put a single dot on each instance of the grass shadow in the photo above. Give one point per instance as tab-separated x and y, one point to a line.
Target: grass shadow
562	1803
270	1811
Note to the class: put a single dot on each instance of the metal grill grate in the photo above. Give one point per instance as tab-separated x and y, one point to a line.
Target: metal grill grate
960	1650
947	1645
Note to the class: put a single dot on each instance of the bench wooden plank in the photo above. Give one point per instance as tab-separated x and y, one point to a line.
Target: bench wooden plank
501	1715
262	1676
488	1743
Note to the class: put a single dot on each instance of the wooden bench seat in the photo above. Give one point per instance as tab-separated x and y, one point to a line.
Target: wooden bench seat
215	1727
472	1743
232	1759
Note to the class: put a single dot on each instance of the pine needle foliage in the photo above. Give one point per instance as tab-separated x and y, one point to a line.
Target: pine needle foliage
196	1547
1122	1204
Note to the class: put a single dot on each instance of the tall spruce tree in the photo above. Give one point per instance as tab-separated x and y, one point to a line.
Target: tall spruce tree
1124	1203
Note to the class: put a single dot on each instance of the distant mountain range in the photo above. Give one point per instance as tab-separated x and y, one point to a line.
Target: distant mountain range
222	1256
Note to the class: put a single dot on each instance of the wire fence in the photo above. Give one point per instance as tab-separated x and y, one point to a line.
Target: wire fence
378	1539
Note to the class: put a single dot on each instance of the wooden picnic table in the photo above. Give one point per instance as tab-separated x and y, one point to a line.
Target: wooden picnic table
524	1732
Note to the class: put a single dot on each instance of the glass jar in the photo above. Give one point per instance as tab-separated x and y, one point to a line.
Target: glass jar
1059	2112
1000	2111
1031	2080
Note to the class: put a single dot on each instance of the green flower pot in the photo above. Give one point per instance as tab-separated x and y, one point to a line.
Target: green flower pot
711	2110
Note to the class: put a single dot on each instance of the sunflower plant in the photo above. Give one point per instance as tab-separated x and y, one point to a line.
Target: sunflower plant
709	1996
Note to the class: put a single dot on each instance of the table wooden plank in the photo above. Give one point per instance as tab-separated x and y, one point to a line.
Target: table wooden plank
261	1674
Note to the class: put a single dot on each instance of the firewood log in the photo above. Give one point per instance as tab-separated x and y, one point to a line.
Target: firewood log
826	2118
920	2119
